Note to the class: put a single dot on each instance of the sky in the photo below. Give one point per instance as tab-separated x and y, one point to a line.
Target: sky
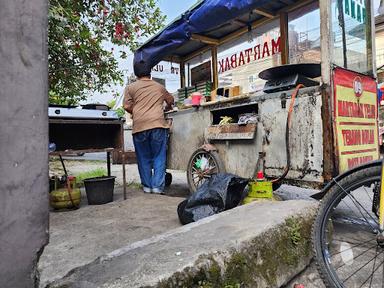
173	8
170	8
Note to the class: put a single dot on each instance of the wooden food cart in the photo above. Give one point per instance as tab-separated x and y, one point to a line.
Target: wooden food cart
224	47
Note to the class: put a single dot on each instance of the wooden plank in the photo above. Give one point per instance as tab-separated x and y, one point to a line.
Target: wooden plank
264	13
284	38
182	74
71	152
226	100
231	132
214	68
205	39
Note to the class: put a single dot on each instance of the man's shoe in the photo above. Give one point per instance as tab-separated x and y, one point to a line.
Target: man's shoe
147	190
157	191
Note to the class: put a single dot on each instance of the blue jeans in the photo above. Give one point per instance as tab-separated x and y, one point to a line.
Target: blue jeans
151	153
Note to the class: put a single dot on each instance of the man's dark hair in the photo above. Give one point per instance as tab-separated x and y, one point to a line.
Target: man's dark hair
141	70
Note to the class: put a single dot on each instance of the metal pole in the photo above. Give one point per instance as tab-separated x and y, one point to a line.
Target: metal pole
109	163
62	163
124	177
122	144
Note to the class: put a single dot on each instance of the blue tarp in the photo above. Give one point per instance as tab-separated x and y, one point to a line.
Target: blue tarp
205	16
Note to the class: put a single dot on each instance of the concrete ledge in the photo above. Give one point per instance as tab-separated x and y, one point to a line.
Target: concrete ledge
257	245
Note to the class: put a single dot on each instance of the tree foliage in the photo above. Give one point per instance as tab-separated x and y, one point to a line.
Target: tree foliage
79	32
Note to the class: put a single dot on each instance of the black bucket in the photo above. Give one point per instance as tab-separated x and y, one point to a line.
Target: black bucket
99	189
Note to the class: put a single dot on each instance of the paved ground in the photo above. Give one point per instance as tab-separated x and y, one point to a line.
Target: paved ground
78	237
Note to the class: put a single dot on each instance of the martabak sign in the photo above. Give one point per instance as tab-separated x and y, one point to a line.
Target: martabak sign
244	57
355	116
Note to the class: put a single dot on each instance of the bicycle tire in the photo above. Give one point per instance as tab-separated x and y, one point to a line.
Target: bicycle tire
336	221
214	156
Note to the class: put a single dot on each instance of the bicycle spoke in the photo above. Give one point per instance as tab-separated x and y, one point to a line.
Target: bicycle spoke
354	243
366	192
369	248
373	271
382	279
360	268
354	201
381	264
362	253
351	209
357	206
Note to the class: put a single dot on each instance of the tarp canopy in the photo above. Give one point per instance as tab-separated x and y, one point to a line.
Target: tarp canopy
204	16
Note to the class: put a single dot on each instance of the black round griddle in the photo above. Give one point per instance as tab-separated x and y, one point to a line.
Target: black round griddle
310	70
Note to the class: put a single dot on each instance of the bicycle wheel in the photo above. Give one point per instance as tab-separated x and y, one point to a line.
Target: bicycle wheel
199	171
347	249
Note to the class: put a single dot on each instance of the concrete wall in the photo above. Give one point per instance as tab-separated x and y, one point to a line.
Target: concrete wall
23	140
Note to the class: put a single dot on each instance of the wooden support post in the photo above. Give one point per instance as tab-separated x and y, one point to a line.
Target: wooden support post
330	161
182	74
214	67
284	38
325	41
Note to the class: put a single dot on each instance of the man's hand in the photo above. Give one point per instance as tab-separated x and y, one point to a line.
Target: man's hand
168	107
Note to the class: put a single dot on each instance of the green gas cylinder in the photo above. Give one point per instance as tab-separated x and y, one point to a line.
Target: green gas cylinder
68	197
259	189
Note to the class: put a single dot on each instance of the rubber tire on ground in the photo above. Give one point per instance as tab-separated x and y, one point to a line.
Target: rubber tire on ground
168	179
331	195
219	164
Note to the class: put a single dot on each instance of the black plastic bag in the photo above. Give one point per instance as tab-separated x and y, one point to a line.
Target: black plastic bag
221	192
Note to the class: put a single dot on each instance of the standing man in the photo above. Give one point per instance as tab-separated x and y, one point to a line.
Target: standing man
145	99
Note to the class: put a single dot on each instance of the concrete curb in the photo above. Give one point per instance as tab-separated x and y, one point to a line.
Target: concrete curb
257	245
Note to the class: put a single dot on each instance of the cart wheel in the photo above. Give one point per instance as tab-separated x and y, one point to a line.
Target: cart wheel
201	166
168	179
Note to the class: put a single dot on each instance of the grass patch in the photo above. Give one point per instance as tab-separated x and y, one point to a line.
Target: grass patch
90	174
134	185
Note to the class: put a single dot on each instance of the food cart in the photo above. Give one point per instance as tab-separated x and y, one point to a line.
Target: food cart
331	125
74	131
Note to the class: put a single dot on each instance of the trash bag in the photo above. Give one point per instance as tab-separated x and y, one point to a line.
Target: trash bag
221	192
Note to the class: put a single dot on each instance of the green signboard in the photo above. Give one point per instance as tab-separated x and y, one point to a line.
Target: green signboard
356	10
